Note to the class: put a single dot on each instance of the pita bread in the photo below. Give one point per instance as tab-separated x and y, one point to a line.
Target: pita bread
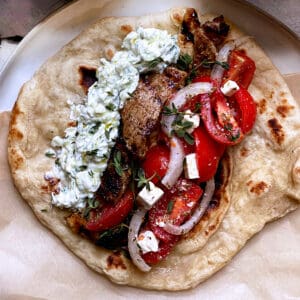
262	174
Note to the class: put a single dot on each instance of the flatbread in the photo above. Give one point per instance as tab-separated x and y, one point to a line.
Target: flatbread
263	172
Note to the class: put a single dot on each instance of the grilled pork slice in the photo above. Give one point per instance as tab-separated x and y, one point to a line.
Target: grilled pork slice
116	177
204	48
140	117
217	30
141	113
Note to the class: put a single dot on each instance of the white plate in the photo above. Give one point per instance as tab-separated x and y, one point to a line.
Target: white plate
49	36
284	49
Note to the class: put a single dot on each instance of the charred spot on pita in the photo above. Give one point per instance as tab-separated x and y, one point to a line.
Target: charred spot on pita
259	188
87	77
115	261
276	130
262	106
284	110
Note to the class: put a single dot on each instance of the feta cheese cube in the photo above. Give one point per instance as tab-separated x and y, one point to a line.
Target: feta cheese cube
190	167
191	117
229	88
147	241
148	198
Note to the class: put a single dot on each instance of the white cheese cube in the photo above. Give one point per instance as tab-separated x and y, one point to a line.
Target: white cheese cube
148	198
148	242
190	167
229	88
191	117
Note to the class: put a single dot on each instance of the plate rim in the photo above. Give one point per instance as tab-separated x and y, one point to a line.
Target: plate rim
31	33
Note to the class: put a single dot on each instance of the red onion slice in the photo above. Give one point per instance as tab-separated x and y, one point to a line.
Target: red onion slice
134	251
175	166
197	215
181	98
218	71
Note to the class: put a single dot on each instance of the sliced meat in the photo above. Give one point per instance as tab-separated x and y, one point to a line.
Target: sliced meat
186	46
204	48
140	116
216	30
113	185
166	84
141	113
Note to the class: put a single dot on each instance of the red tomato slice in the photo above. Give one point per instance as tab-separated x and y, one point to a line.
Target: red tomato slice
175	207
153	258
241	68
247	108
203	78
158	214
183	198
110	215
156	162
208	153
226	131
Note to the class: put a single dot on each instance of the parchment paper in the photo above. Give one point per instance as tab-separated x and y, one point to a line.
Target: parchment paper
34	264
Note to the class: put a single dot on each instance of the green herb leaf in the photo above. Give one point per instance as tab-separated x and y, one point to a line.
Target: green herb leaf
92	203
169	111
228	126
44	210
189	138
205	64
153	63
81	168
110	107
115	230
142	180
184	61
223	64
94	128
92	152
107	132
197	108
117	163
91	173
235	137
50	154
170	207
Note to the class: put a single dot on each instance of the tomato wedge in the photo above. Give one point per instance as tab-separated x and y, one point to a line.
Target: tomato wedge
152	258
227	130
208	153
156	162
241	68
247	108
110	215
175	207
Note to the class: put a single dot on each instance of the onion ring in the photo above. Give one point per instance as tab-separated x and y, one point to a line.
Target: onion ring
134	251
218	71
175	166
197	215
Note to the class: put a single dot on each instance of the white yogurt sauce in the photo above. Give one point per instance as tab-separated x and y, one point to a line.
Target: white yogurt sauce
82	154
